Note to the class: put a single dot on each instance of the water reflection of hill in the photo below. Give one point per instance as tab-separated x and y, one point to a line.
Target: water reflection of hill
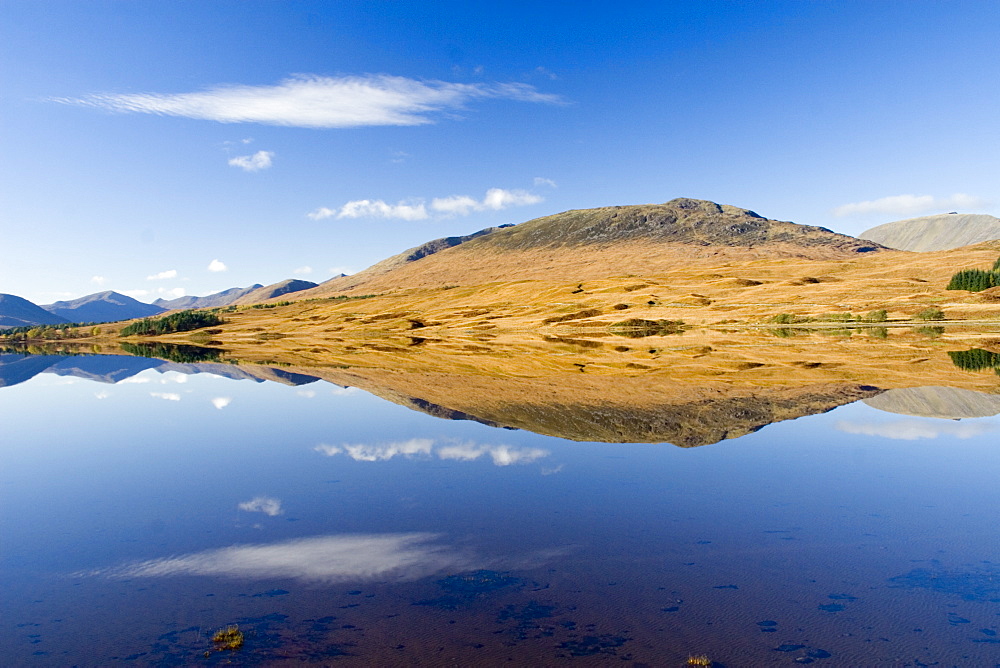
938	402
706	390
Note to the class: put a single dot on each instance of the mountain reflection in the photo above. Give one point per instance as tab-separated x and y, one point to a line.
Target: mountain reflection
688	396
351	557
19	367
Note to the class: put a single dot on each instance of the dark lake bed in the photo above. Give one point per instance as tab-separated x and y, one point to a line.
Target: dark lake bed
146	508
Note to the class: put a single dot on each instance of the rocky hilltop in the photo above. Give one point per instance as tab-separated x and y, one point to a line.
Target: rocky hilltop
597	243
934	233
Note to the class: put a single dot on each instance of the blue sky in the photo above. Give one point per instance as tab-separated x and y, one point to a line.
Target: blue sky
160	148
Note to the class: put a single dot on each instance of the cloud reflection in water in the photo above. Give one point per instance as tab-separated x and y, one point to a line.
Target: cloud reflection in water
502	455
350	557
912	430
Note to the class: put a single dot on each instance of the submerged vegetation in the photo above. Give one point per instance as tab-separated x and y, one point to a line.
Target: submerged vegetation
230	638
182	321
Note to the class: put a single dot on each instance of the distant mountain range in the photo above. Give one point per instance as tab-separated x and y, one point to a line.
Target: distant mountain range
105	306
224	298
933	233
111	306
18	367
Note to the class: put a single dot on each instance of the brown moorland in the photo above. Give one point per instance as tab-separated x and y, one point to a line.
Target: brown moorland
516	326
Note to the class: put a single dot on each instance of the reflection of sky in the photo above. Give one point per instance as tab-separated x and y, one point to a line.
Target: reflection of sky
914	429
356	557
502	455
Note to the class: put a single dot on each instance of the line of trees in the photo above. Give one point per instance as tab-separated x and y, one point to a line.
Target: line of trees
976	280
70	330
182	321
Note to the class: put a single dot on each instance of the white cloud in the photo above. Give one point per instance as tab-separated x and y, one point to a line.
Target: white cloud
459	205
173	293
308	394
319	102
540	181
501	455
337	271
135	294
102	395
169	396
912	430
366	208
98	280
496	199
252	163
217	265
262	504
910	205
321	213
173	377
303	271
163	275
221	402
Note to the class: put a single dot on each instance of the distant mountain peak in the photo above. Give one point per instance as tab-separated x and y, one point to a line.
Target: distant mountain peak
941	231
106	306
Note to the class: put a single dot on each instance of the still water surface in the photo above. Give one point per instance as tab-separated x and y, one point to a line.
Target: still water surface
335	528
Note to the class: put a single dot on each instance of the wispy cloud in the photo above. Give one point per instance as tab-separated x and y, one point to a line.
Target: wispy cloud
495	199
541	181
98	280
169	396
262	504
252	163
217	265
163	275
912	430
303	271
425	448
313	101
910	205
546	73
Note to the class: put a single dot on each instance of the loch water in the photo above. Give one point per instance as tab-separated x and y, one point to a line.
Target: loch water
146	505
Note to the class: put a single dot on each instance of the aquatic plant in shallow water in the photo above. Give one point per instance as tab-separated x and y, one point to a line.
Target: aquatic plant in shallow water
230	638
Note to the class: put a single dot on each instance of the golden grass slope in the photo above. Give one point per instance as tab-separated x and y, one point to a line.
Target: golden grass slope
598	243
